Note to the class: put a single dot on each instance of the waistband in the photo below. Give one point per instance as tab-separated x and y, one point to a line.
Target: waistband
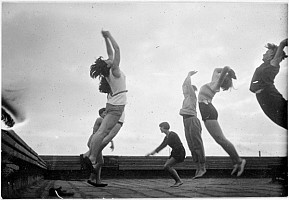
187	116
205	101
112	95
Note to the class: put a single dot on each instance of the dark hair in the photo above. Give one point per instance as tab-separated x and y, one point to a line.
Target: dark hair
274	47
101	111
228	82
164	125
99	68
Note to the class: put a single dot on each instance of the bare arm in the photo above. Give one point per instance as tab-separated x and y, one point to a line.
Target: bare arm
278	56
224	71
151	153
108	49
187	83
159	148
116	57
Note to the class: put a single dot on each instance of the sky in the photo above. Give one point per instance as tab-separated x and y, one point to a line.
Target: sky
47	50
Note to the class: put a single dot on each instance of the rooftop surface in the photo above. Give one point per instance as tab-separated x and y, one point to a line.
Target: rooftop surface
160	188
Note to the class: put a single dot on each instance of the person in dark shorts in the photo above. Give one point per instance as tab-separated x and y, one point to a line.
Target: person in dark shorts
262	84
178	153
222	78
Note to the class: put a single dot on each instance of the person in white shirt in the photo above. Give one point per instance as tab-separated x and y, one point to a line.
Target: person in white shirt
113	82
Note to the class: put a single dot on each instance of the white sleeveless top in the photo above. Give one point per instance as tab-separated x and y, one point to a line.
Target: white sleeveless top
118	89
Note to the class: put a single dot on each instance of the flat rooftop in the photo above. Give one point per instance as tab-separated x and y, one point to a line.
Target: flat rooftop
160	188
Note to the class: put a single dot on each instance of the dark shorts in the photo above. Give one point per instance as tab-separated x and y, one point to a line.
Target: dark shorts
116	110
179	154
274	106
208	111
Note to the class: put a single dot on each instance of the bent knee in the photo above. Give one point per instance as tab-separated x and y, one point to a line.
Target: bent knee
166	167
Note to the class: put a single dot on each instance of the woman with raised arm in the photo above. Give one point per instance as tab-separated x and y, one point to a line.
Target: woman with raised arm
222	78
262	84
113	82
192	125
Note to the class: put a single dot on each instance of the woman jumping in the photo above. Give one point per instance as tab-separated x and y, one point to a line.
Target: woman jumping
222	78
262	84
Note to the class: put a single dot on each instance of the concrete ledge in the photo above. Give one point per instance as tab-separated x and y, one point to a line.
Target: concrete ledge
68	167
20	165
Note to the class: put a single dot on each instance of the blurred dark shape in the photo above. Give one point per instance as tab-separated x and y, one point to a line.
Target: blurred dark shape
6	118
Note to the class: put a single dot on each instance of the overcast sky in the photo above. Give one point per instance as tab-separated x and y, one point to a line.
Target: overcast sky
47	49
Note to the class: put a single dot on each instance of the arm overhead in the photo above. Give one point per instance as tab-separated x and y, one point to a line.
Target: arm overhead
116	56
108	49
279	53
187	83
224	71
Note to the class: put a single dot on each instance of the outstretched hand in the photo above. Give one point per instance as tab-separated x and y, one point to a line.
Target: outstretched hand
191	73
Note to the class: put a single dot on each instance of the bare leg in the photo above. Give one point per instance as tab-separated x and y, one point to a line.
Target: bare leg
169	167
106	126
99	161
97	169
111	135
216	132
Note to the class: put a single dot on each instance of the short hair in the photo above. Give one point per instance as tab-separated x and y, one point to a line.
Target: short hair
274	48
164	125
101	111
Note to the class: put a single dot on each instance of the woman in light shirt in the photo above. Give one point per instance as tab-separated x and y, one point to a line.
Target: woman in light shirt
222	78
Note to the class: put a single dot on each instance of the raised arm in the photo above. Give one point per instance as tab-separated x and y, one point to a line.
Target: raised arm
279	53
224	71
187	85
116	56
108	49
